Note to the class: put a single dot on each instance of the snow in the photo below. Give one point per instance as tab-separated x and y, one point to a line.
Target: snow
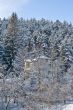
28	60
34	59
68	107
43	57
47	36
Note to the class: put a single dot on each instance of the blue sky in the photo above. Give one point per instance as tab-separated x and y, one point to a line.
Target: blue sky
48	9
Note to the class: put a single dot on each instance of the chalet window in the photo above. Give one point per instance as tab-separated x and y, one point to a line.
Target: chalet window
27	64
6	26
0	25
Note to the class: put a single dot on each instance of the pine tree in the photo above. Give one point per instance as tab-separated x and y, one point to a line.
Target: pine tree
55	52
10	46
64	59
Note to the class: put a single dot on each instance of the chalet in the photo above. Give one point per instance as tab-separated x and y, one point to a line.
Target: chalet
37	65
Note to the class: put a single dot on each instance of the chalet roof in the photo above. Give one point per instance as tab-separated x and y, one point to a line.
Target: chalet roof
35	59
28	60
43	57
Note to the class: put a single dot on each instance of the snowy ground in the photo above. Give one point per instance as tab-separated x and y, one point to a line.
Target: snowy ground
28	102
68	107
58	107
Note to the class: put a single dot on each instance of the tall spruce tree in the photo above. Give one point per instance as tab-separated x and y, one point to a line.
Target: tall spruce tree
10	46
65	65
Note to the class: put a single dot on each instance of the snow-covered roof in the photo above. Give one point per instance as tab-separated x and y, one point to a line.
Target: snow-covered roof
34	59
28	60
43	57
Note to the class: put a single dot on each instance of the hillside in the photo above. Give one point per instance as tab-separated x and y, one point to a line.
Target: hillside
40	40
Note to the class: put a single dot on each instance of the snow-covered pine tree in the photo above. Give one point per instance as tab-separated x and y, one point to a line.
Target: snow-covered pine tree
10	45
